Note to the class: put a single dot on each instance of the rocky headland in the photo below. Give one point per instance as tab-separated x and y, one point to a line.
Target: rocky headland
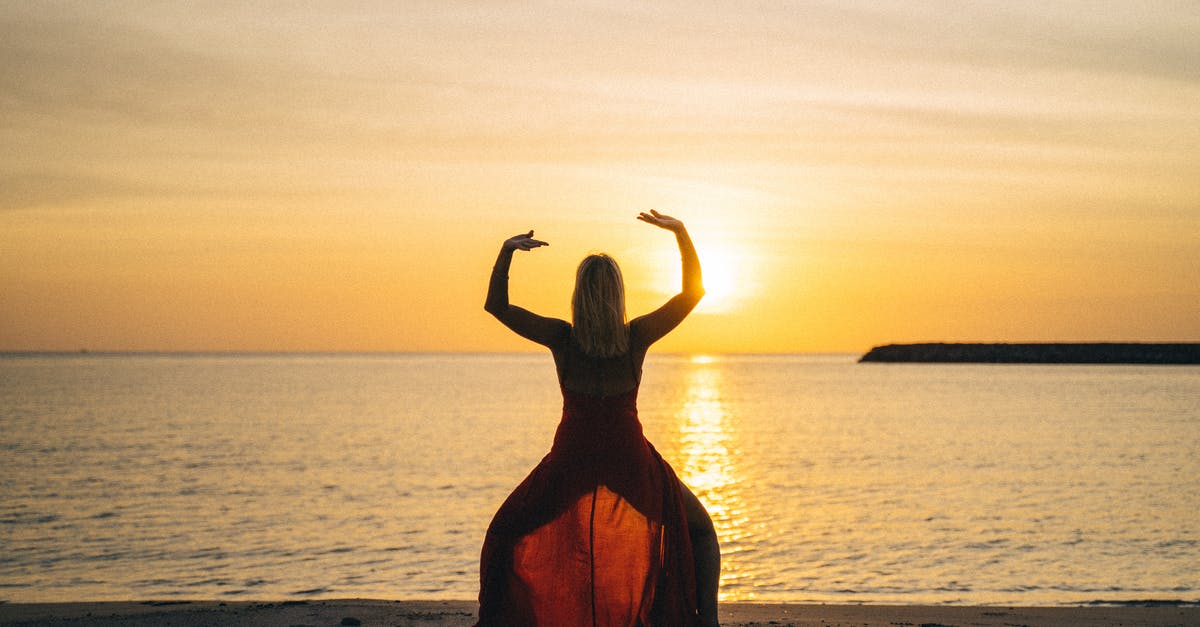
1044	353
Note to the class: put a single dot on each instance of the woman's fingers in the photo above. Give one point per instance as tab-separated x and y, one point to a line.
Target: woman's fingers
660	220
524	241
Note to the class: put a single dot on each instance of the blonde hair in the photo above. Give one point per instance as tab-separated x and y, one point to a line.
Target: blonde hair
598	322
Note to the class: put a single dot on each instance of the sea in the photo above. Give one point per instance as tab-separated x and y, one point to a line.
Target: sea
306	476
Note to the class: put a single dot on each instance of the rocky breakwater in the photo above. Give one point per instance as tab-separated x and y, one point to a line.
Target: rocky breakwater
1046	353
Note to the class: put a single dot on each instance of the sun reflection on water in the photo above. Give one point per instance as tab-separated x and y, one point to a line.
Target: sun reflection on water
708	451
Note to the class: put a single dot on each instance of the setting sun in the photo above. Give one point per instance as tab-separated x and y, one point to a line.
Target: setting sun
724	281
727	276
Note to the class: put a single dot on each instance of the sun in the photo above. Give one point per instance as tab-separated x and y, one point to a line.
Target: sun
726	282
721	269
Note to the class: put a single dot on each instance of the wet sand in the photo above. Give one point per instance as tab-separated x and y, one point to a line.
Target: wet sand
462	613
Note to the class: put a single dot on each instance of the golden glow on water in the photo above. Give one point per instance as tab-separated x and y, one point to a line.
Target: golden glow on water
708	450
375	476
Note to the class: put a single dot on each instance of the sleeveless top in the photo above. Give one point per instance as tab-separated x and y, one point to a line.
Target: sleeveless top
598	376
596	534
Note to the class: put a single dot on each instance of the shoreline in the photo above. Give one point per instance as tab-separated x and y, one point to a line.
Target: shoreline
462	613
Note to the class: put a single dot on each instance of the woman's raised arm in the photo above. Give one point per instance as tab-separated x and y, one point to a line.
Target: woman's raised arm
523	322
652	326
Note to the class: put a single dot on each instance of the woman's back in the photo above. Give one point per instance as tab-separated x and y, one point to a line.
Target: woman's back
581	373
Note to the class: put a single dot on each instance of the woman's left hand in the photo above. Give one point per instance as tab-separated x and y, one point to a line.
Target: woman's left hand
662	221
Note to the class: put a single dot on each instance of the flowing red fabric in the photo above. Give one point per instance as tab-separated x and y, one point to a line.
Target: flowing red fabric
595	535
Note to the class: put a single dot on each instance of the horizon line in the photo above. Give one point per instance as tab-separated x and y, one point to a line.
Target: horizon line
185	352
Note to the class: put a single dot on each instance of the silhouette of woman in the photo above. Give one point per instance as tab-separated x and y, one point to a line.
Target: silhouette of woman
601	532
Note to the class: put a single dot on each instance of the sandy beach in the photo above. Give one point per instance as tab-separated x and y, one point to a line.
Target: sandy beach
462	613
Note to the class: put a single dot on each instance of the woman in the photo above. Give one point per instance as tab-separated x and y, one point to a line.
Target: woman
602	532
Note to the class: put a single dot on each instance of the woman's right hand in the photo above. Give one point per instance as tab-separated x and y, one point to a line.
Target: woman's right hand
524	241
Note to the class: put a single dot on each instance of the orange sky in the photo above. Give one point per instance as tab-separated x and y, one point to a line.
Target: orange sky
339	177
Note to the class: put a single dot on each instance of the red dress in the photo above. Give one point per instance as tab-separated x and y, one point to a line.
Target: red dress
596	535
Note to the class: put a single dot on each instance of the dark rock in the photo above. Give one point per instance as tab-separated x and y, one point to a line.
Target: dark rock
350	620
1049	353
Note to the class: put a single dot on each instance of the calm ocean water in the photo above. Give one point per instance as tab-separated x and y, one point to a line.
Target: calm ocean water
308	476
